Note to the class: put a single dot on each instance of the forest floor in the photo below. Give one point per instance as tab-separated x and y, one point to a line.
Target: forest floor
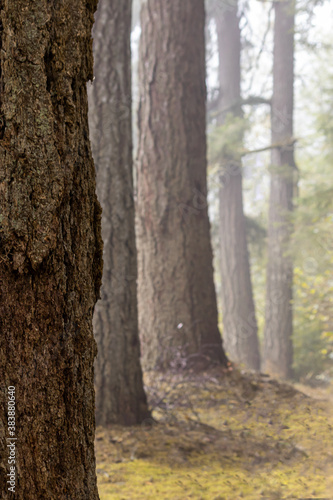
221	436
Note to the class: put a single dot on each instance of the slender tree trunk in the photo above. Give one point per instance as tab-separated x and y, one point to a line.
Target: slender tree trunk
239	320
120	397
177	302
51	249
278	327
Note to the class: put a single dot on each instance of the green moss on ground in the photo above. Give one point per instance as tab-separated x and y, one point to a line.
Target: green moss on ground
220	436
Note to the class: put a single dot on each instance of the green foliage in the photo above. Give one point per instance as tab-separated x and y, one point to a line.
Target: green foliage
313	250
313	344
256	234
313	286
226	141
312	244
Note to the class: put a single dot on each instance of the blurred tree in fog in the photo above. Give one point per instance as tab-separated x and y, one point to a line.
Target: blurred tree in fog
120	397
278	351
239	320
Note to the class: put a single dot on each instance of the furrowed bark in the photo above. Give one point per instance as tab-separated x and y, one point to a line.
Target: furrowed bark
120	397
51	248
177	302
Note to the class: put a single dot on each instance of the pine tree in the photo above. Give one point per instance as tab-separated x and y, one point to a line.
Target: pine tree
177	302
278	352
120	397
51	249
239	319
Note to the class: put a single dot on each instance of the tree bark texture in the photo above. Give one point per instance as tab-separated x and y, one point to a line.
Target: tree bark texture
177	301
120	397
278	351
239	319
51	248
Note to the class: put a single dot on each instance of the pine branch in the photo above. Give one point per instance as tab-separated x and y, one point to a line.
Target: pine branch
252	100
277	145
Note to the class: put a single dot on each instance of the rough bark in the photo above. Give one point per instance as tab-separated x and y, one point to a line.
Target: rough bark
239	319
120	397
177	302
51	248
278	321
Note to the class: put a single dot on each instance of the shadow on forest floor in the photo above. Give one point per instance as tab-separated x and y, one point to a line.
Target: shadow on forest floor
221	436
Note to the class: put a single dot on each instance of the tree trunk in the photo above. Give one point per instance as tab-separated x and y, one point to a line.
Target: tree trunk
239	319
177	302
120	397
51	250
278	327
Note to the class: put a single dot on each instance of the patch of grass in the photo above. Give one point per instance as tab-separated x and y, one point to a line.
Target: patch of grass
218	436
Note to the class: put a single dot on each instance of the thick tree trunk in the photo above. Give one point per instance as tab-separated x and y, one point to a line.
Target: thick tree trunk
239	320
120	397
51	249
177	302
278	327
